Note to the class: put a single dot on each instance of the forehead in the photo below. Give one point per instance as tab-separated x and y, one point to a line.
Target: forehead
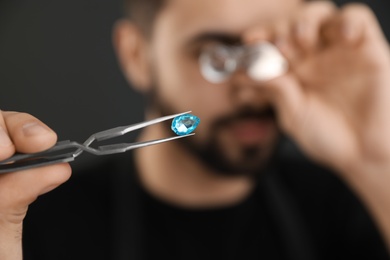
186	18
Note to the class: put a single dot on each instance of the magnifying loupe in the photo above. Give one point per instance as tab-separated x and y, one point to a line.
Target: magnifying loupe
261	61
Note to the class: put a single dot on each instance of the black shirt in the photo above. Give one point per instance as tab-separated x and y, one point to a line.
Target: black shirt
297	211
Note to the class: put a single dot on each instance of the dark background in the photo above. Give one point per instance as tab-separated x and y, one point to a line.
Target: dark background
57	63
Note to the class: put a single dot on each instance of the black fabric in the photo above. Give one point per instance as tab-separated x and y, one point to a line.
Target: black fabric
297	211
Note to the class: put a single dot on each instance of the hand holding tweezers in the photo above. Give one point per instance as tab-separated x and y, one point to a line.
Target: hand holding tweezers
67	151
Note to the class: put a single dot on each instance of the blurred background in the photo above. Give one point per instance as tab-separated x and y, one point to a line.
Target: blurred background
57	63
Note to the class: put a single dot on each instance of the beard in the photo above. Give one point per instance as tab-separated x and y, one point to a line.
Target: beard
250	160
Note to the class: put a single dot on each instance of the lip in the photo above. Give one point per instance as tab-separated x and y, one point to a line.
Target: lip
252	131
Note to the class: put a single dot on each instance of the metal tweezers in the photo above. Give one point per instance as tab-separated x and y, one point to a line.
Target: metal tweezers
60	151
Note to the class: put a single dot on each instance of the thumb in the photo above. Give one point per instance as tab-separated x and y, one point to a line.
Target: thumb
19	189
287	95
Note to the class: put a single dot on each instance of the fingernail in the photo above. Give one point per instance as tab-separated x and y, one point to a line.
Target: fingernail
280	42
300	30
4	138
31	129
348	31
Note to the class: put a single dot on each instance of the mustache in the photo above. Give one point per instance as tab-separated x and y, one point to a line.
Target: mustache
265	113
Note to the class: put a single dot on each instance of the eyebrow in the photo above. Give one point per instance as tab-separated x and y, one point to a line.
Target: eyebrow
216	37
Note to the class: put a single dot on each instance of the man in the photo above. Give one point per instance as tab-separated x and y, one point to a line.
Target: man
223	193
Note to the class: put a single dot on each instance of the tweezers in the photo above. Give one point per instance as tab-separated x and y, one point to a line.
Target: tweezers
67	151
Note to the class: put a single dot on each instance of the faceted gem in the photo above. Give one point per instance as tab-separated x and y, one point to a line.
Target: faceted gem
184	124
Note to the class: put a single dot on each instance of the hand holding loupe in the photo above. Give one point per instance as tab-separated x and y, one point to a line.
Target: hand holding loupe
261	61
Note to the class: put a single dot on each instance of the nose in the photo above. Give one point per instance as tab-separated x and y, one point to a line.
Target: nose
245	91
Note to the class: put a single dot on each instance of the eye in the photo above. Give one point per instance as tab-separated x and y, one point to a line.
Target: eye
216	63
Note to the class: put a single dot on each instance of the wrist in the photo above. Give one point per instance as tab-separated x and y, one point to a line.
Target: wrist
370	182
10	240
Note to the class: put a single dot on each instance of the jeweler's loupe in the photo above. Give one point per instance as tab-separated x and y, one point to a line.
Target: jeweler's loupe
261	61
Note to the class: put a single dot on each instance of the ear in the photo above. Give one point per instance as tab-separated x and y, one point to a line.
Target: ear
132	53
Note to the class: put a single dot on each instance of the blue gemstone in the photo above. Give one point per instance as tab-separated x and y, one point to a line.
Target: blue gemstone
184	124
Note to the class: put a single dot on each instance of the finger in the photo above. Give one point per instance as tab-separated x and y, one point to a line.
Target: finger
6	146
354	23
360	21
278	34
283	41
28	133
289	98
19	189
306	28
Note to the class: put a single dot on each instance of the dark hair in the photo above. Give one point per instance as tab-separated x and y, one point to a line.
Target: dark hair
143	13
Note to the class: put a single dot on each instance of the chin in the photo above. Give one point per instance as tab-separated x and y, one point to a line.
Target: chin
248	161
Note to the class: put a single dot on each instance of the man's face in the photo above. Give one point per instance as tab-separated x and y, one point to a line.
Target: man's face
238	131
